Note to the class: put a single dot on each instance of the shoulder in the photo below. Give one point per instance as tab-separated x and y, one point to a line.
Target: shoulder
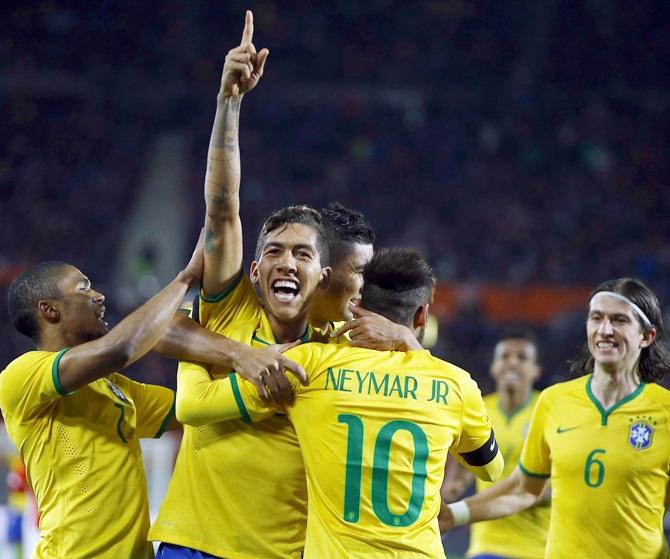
575	386
658	394
29	362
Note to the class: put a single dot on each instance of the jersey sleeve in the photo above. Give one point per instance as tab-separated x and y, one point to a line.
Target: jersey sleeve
30	383
476	448
154	405
237	302
535	460
202	399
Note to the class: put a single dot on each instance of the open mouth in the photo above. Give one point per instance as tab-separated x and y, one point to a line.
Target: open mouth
100	315
285	290
606	345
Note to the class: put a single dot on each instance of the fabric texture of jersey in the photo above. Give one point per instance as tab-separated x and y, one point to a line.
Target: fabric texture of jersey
238	490
375	428
82	456
609	470
523	535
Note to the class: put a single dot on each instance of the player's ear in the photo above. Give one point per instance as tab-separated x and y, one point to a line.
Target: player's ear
326	273
254	274
648	337
421	317
48	310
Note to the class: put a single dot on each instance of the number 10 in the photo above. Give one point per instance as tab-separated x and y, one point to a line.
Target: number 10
380	471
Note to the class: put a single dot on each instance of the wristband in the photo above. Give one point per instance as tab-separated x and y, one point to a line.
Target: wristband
460	512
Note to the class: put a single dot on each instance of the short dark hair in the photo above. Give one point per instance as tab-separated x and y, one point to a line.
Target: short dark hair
519	333
344	225
27	290
305	215
396	282
655	359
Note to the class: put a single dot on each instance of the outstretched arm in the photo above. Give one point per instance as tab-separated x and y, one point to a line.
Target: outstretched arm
186	340
242	70
513	494
134	336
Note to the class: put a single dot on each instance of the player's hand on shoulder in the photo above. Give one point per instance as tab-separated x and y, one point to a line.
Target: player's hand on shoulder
266	369
244	66
374	331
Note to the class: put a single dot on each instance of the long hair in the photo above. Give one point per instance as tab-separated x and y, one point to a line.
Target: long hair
654	361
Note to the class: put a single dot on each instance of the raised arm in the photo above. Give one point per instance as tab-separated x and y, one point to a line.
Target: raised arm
134	336
242	70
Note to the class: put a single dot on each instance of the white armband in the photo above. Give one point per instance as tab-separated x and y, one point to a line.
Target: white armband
460	512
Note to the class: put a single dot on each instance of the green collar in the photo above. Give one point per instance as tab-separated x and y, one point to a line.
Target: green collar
605	413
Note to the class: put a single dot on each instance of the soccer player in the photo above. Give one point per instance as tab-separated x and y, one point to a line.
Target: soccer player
288	272
374	426
603	439
77	422
514	368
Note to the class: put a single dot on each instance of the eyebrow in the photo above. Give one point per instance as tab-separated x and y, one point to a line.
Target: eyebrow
84	281
275	244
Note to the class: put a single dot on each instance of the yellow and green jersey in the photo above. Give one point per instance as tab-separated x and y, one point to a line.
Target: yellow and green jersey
609	470
238	490
82	456
375	428
523	535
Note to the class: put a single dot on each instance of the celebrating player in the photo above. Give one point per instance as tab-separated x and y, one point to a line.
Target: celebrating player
374	426
514	368
603	438
76	422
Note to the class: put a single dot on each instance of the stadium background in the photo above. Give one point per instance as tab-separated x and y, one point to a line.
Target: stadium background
522	146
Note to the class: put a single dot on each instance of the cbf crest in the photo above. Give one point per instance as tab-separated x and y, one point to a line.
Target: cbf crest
117	392
640	435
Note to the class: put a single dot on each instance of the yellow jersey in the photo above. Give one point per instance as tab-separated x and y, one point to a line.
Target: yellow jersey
609	470
82	456
374	428
523	535
223	498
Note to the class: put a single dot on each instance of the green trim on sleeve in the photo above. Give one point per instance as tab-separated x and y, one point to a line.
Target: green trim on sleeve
532	474
122	416
238	398
54	374
227	291
168	417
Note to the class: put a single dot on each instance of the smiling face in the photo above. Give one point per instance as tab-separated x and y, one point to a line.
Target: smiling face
514	366
288	272
81	308
615	335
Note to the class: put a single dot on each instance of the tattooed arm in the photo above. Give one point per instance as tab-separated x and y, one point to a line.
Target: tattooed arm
242	70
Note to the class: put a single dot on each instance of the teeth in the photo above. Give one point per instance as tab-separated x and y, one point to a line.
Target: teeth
285	283
605	345
286	297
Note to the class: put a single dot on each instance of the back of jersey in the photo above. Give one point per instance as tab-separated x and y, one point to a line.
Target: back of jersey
375	429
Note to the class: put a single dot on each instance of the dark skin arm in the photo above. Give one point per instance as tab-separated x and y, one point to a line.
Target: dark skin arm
134	336
186	340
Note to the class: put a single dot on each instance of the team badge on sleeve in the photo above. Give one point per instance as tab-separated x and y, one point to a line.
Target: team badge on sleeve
117	392
640	435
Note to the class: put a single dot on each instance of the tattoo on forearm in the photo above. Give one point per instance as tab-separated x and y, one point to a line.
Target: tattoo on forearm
210	238
226	125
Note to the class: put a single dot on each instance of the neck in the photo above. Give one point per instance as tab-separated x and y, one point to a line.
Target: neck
610	387
512	398
286	332
54	341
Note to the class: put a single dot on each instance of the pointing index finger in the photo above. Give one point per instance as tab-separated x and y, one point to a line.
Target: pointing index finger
248	33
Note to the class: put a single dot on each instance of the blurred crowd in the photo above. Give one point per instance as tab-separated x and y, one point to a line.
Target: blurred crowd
512	143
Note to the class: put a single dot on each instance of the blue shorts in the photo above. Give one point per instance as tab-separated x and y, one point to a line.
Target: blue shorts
169	551
488	556
14	526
